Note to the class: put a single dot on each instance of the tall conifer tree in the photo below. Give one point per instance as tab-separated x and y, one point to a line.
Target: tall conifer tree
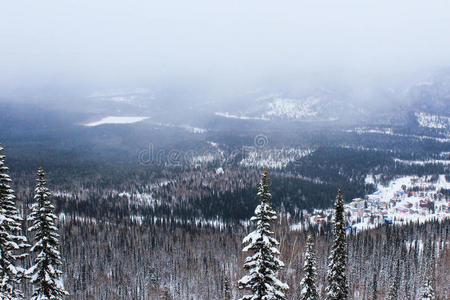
264	264
11	239
337	288
45	273
308	286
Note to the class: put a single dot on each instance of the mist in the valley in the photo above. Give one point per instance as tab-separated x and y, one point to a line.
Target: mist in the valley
197	53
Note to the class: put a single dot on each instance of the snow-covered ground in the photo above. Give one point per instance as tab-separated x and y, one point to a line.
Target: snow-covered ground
291	108
116	120
238	116
206	158
188	128
253	156
361	130
192	129
216	223
275	107
423	162
389	131
121	95
273	158
405	199
433	121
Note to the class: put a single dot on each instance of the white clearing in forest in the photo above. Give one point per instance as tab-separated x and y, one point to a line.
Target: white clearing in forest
238	116
116	120
432	121
273	158
292	108
423	162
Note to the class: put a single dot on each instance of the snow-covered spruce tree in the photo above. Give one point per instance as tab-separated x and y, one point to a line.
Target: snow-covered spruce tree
11	239
337	288
264	264
44	273
308	286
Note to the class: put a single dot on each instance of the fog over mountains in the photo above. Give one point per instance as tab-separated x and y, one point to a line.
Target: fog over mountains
200	52
325	103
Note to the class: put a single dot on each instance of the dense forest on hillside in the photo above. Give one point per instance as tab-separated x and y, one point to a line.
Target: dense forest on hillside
147	261
97	189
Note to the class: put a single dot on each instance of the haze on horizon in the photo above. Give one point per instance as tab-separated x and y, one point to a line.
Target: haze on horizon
231	45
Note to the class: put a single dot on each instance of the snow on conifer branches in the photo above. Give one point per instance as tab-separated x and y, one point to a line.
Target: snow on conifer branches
264	264
337	288
11	240
308	286
44	273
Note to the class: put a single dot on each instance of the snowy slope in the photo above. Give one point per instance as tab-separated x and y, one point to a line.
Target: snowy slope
121	95
433	121
405	199
273	158
291	108
116	120
274	107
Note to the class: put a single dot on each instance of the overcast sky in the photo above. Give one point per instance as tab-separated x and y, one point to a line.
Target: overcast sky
224	43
